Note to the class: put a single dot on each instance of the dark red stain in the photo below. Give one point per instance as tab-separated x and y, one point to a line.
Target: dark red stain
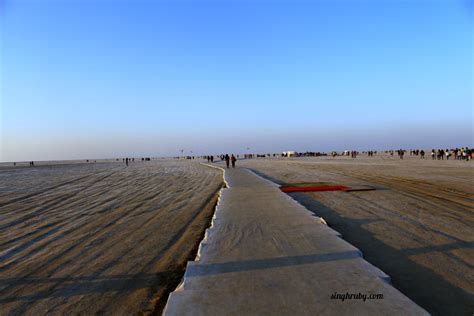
319	188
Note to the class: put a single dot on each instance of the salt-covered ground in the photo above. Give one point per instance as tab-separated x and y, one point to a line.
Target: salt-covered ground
417	226
265	254
99	238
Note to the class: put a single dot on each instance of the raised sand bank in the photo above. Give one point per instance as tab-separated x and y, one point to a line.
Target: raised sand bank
266	254
416	227
100	238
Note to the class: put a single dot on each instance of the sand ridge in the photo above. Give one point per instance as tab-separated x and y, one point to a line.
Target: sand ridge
100	238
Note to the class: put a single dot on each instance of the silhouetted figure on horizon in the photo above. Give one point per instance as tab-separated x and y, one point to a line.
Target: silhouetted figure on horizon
126	161
401	152
233	159
227	160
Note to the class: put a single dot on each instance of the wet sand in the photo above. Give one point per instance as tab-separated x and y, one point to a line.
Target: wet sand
417	226
100	238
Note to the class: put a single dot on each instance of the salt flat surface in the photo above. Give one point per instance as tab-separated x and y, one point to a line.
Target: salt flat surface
99	238
266	254
417	226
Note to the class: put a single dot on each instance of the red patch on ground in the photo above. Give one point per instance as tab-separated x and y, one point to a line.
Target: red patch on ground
319	188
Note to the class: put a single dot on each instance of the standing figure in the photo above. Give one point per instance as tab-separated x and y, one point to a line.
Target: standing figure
233	159
227	160
126	161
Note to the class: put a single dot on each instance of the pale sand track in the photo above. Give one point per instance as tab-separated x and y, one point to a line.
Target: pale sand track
100	238
418	226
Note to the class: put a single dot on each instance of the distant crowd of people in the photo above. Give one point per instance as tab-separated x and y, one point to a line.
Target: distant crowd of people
463	153
129	160
306	154
229	160
400	153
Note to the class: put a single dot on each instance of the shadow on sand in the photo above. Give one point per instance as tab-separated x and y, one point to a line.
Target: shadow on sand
270	263
72	286
426	288
422	285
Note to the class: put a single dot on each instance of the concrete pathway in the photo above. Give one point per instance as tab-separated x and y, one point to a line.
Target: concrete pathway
265	254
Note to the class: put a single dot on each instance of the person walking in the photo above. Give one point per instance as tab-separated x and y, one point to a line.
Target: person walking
233	159
126	161
227	160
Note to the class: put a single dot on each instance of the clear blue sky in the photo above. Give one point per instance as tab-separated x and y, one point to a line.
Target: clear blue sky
92	79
